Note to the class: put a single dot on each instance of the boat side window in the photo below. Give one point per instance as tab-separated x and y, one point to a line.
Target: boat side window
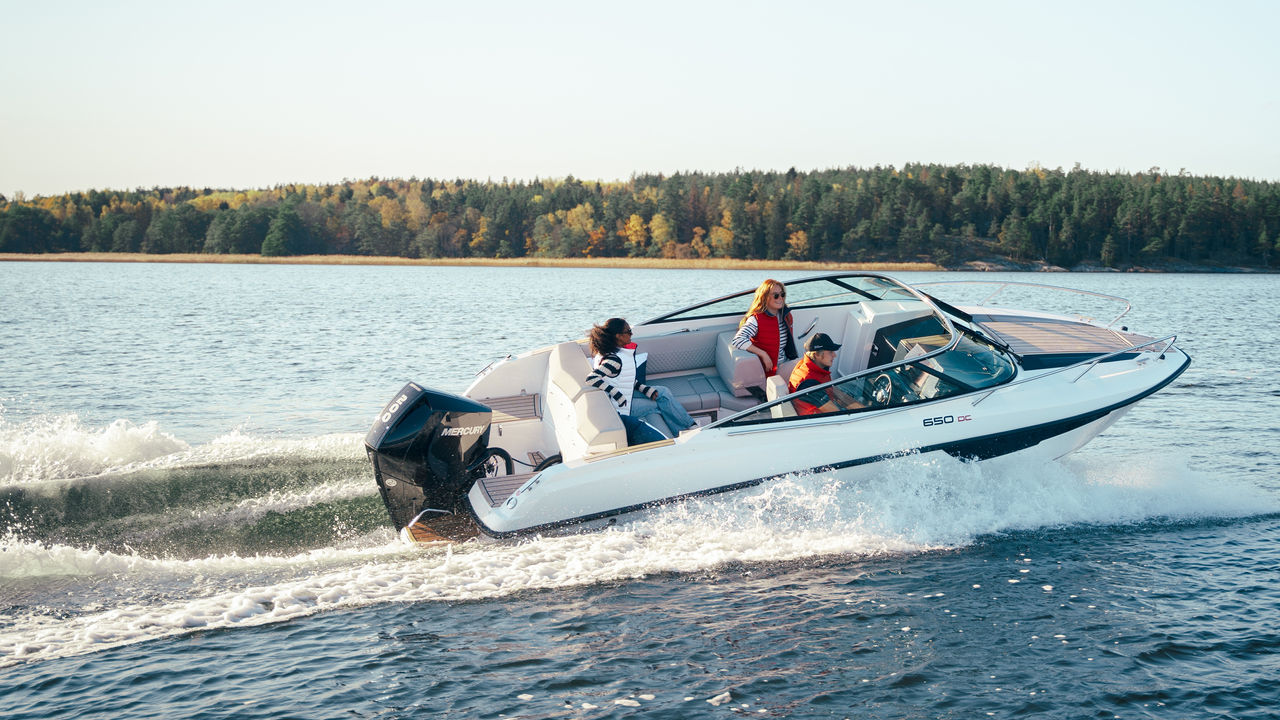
906	384
900	385
971	365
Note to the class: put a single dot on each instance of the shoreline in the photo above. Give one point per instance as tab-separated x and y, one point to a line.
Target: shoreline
622	262
985	265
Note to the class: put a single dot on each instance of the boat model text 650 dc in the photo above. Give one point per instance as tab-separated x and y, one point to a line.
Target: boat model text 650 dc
530	447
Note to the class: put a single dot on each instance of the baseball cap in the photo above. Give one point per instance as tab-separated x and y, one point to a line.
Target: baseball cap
820	341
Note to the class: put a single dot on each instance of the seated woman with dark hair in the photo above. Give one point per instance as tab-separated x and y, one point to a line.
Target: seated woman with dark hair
615	371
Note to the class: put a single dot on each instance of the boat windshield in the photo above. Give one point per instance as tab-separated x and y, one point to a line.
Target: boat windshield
826	291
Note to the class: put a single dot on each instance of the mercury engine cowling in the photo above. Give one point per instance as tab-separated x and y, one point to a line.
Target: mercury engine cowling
425	447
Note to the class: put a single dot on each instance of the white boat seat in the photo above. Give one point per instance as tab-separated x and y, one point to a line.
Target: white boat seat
785	369
774	388
563	365
696	392
598	420
585	419
739	369
703	394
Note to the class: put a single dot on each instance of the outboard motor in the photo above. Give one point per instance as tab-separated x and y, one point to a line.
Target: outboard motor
426	446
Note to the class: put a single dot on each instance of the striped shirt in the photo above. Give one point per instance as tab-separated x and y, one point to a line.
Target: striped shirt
610	367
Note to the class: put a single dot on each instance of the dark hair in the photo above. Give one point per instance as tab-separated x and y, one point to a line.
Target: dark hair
604	337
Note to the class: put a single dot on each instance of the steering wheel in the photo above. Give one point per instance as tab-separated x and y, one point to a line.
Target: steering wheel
882	390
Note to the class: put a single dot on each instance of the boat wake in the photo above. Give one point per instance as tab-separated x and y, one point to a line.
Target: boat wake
271	530
136	489
59	447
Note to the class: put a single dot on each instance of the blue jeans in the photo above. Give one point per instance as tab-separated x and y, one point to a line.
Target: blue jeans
640	432
672	412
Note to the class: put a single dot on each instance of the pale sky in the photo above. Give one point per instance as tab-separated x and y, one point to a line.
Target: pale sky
234	94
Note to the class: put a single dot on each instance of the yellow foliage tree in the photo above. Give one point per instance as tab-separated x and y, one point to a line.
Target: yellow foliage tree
417	212
662	234
389	209
721	236
720	240
798	243
637	235
698	246
579	226
480	236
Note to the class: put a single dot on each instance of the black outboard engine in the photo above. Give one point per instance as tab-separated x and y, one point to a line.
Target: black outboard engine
425	447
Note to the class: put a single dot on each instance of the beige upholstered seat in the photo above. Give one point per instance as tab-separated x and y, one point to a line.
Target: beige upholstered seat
586	421
774	388
739	369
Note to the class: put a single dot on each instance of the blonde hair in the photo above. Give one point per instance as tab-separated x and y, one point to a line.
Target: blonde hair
762	296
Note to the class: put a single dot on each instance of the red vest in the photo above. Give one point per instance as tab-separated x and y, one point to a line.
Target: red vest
807	369
769	339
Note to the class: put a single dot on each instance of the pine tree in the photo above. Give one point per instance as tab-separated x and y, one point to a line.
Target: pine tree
286	235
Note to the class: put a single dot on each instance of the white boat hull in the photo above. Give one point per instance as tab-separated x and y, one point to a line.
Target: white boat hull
978	427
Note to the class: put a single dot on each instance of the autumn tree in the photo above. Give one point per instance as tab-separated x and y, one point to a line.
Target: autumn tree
636	233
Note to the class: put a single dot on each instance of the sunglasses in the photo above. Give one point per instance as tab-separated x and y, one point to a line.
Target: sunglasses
779	295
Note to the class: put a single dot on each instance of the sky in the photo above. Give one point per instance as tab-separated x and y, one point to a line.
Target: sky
241	95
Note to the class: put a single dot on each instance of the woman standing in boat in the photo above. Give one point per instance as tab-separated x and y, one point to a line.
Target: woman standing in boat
765	331
617	373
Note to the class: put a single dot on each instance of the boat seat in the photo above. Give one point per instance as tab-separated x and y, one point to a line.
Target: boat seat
739	369
563	365
704	394
786	368
695	391
774	388
584	417
742	371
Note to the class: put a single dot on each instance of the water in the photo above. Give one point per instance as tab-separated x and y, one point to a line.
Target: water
188	527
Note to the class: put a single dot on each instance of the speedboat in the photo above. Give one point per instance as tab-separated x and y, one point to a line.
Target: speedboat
531	448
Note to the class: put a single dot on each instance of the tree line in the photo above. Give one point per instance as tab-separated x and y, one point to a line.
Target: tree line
943	214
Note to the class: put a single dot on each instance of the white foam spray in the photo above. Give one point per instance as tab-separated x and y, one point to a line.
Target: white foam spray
61	447
910	505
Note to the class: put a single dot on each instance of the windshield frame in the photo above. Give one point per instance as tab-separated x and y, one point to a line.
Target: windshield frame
845	293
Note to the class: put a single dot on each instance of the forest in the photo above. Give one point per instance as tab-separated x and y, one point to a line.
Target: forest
933	213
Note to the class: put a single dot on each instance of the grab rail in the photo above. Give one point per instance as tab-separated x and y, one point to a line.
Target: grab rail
1003	284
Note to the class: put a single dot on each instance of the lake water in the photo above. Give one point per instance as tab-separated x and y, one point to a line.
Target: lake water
188	527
